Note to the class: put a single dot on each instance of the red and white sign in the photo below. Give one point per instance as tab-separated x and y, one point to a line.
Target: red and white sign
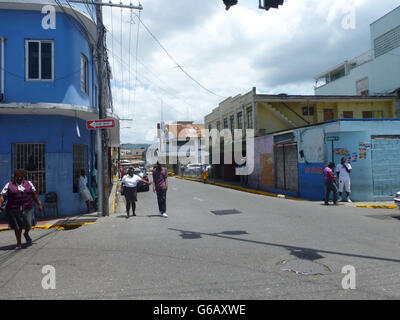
100	124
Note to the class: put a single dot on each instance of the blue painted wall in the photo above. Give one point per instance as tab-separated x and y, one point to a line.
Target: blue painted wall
361	174
373	178
311	181
69	44
59	134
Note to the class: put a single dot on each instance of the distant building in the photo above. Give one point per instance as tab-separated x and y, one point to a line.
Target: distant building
181	142
272	113
375	72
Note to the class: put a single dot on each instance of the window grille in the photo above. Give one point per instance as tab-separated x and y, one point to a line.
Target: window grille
249	118
31	158
79	162
240	120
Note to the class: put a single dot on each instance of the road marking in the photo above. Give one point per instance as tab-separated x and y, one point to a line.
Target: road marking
198	199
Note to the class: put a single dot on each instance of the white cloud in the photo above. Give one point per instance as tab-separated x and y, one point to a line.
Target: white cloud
228	52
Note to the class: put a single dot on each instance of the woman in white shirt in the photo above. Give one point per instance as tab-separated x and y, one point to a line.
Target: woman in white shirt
129	189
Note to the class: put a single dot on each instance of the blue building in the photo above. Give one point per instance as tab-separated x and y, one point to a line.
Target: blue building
291	162
49	89
372	146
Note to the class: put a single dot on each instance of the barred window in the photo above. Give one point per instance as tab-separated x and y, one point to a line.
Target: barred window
31	158
79	154
250	118
240	120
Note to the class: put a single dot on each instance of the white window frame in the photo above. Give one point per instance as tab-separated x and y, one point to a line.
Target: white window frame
27	41
86	73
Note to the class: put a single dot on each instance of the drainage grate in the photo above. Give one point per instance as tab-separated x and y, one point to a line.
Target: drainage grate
224	212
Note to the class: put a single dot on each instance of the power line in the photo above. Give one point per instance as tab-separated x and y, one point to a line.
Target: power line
174	61
136	73
151	82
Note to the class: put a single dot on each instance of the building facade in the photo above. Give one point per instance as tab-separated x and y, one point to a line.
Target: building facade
372	73
181	143
292	162
49	82
266	114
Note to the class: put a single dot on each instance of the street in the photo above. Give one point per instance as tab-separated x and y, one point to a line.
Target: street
197	254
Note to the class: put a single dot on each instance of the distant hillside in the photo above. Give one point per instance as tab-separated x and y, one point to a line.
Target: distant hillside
134	146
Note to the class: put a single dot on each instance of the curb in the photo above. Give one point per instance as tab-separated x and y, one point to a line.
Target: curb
55	226
377	206
263	193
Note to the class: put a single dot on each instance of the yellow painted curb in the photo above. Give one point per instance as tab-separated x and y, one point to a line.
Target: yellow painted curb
55	226
115	196
377	206
263	193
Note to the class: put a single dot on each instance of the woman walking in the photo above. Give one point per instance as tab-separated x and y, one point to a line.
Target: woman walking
129	189
20	194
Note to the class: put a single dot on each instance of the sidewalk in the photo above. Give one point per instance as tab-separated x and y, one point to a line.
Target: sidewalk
237	186
69	222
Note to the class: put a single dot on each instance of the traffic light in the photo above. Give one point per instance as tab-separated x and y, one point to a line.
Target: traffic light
229	3
268	4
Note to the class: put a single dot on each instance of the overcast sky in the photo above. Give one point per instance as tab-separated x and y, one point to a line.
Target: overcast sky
226	52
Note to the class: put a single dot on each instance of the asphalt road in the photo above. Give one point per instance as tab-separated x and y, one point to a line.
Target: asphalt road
196	254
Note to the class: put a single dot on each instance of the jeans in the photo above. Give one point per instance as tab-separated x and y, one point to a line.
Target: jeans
330	186
162	200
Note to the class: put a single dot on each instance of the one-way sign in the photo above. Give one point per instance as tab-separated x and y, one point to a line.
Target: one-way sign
100	124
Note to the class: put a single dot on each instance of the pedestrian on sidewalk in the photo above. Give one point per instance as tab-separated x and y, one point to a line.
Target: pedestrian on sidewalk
20	194
160	185
343	173
330	183
129	190
204	174
84	191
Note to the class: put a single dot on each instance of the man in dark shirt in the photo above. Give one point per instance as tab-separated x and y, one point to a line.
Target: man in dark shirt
160	185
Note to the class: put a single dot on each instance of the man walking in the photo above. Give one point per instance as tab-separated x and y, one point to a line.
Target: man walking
343	172
160	185
330	183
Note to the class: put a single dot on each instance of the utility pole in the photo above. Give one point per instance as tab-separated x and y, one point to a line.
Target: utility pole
101	134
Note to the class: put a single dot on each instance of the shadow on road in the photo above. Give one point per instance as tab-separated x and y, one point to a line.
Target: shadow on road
299	252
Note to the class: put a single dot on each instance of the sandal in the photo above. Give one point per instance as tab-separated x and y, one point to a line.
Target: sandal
28	240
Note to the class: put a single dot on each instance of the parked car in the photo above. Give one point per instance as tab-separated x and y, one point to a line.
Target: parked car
397	200
141	172
194	169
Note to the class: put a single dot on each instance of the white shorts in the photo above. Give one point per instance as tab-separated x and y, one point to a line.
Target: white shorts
344	184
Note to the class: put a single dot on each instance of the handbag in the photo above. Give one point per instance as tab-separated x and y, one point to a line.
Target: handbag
122	191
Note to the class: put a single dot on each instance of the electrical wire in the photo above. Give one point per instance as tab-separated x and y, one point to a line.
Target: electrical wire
122	72
129	56
174	61
136	64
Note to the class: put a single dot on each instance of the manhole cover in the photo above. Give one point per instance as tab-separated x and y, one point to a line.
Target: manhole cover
304	267
223	212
